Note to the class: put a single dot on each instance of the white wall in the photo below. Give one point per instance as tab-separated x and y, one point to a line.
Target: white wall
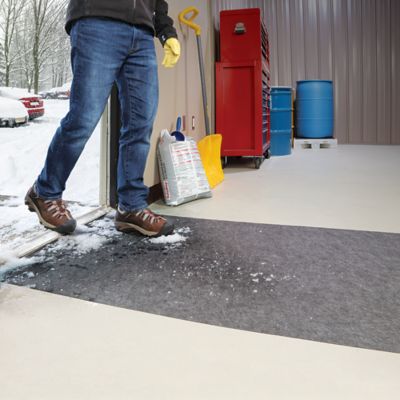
180	87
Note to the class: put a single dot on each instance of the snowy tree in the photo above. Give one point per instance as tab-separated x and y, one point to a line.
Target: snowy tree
10	11
41	45
58	69
47	15
22	73
2	66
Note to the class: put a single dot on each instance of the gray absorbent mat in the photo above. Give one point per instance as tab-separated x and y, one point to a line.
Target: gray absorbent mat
333	286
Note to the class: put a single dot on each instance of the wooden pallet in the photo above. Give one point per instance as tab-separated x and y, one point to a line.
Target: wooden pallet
315	144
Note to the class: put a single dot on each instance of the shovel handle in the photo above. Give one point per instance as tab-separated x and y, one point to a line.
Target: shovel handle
188	19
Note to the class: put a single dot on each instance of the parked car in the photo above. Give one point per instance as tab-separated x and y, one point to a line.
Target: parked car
32	102
58	93
63	96
55	95
12	112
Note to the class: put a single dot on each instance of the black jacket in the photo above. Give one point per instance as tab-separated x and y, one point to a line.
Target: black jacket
150	13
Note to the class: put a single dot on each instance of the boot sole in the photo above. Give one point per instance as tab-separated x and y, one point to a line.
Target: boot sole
126	227
64	229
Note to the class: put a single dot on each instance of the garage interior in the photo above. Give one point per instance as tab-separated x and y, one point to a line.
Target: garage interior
287	283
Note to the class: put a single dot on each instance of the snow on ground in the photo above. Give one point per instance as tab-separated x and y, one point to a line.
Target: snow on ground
23	151
84	240
17	224
10	262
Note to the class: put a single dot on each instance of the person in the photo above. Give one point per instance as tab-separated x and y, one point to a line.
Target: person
111	41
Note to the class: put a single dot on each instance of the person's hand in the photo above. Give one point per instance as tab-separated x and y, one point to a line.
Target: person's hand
172	52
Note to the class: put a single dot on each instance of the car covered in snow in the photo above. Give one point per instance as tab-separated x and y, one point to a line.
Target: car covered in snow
32	102
12	112
58	93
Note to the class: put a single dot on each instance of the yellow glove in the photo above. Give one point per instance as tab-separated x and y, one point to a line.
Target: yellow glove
172	52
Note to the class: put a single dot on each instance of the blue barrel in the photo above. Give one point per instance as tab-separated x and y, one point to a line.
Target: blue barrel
281	142
281	120
281	97
314	109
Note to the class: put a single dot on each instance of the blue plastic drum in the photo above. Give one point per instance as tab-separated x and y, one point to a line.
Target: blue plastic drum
281	120
281	142
314	109
281	97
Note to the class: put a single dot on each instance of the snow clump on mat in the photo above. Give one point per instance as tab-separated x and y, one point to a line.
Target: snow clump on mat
171	241
86	238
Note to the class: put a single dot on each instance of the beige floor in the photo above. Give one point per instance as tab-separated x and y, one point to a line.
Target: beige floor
351	187
54	347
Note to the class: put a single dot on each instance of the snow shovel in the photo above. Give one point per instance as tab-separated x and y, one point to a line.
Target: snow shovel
210	146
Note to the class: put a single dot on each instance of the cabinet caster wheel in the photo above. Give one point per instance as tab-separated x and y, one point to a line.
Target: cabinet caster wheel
268	154
257	162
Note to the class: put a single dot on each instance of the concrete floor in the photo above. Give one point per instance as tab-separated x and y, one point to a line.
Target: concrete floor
58	347
348	187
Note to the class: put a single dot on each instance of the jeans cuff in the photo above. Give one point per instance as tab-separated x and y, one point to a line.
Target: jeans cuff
37	192
131	209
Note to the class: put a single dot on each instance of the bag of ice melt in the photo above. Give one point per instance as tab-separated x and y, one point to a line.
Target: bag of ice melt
181	171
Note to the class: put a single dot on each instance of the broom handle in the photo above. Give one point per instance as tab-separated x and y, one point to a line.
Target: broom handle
203	85
187	17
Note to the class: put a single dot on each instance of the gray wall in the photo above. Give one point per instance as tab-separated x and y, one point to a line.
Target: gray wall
355	43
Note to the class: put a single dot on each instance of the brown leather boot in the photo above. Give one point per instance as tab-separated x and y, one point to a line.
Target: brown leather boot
143	221
53	214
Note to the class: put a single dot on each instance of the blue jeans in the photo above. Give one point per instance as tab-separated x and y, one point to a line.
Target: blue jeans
104	51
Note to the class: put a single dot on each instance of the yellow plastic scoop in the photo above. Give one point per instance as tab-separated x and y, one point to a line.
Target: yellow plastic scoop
209	146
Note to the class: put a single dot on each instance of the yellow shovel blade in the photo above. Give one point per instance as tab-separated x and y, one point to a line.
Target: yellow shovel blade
210	153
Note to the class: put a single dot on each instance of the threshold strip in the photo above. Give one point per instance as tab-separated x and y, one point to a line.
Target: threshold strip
32	246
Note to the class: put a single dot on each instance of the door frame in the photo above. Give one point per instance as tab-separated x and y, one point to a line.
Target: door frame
109	137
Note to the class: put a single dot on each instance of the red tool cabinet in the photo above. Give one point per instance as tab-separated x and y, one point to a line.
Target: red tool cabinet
243	85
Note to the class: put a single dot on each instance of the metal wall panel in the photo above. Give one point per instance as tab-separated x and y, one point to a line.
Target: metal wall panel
356	43
297	36
395	75
325	42
369	71
340	70
310	38
284	59
354	21
383	71
273	42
